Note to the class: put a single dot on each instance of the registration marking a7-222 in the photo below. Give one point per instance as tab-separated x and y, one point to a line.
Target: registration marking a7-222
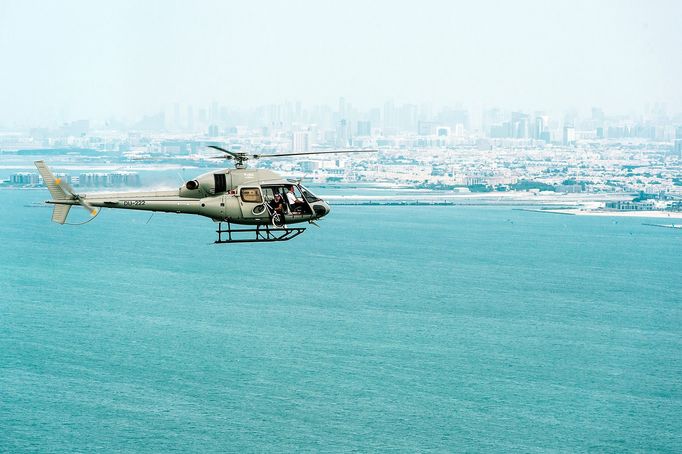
128	203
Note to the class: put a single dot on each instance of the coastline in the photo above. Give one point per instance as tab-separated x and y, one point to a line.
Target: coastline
657	214
556	201
510	198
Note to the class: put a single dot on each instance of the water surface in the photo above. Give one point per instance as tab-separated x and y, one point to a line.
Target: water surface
390	328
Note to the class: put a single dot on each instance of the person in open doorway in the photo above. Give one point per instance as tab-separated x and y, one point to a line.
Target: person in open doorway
277	210
295	204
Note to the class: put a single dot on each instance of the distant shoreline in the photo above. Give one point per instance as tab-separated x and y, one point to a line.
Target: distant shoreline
658	214
555	201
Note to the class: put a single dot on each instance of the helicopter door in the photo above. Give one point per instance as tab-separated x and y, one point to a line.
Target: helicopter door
253	205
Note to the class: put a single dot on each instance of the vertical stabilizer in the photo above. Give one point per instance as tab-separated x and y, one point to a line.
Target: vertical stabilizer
52	185
60	211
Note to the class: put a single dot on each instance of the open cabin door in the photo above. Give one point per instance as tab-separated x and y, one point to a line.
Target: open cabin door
253	205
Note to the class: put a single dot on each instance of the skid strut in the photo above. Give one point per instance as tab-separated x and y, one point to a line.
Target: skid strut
261	234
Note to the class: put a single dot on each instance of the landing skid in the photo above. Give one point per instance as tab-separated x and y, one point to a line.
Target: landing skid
261	234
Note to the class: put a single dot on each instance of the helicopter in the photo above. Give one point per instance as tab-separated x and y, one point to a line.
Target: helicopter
258	198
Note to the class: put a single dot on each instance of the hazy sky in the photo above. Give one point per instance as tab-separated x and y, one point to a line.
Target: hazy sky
89	59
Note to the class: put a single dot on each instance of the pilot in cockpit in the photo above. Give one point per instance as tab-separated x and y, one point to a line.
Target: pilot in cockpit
295	204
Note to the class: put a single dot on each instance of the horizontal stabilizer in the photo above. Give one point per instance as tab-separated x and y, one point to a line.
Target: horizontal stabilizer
60	213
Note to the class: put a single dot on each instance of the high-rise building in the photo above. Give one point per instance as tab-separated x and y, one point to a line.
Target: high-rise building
454	117
444	131
214	112
677	149
152	122
426	128
176	116
569	135
75	128
342	134
202	116
364	128
492	118
298	111
597	115
374	116
300	142
390	118
309	165
499	131
24	178
519	125
539	127
342	107
190	118
407	117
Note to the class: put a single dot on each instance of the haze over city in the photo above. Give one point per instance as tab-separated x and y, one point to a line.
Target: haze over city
303	226
64	61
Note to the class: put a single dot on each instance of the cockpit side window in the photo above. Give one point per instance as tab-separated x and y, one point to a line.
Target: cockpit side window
251	195
309	196
297	192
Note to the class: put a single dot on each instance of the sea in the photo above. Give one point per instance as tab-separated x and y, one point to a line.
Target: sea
388	328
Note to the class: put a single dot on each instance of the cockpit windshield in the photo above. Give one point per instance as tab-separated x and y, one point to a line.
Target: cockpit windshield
309	196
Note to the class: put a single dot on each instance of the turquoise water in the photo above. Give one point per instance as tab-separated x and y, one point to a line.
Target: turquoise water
390	328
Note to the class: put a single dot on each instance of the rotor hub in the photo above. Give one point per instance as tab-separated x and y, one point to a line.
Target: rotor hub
240	160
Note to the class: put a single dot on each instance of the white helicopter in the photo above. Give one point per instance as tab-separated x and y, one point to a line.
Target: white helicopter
252	197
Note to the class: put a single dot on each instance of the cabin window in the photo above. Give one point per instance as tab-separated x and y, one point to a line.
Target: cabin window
251	195
268	193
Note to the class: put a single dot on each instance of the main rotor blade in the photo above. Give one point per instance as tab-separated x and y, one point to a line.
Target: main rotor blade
312	152
231	153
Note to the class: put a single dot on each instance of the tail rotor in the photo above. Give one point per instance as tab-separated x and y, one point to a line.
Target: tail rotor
64	185
63	195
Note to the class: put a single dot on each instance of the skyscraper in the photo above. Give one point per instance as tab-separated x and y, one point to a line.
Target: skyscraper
342	134
190	118
569	135
342	107
519	125
677	149
300	142
492	118
539	128
364	128
390	120
176	116
407	117
677	145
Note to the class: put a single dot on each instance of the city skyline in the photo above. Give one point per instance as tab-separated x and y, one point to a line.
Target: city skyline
647	112
80	60
345	120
